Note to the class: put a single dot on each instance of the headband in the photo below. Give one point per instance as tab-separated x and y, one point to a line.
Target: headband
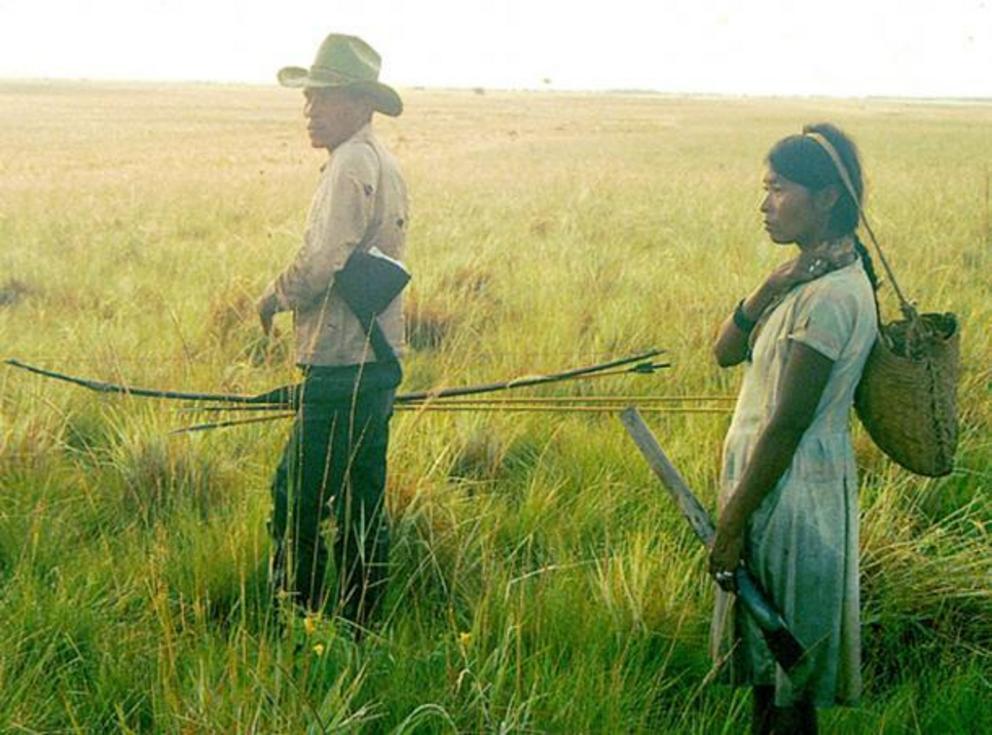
838	164
826	145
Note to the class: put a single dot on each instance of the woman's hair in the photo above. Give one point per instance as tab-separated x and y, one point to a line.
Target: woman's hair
802	160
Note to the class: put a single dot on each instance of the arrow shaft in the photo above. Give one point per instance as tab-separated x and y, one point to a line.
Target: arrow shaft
288	396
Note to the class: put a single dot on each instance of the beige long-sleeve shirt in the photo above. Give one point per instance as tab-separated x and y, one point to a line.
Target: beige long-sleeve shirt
361	202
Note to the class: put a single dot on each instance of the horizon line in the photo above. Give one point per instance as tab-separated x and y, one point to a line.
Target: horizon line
481	90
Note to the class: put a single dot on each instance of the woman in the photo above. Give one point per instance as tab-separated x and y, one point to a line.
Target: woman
789	482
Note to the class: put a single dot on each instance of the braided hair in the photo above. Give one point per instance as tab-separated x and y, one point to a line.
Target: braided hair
802	160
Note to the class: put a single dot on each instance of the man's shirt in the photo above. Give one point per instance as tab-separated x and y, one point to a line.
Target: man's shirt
360	203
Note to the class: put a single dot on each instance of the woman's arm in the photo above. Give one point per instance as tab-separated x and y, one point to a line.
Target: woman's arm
806	374
732	342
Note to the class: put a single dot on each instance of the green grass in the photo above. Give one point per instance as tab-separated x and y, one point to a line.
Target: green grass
542	581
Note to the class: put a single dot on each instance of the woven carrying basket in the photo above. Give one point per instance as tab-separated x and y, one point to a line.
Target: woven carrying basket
907	395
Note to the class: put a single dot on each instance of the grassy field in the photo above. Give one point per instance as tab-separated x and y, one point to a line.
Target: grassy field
542	581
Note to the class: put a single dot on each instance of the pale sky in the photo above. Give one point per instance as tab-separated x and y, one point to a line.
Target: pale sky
831	47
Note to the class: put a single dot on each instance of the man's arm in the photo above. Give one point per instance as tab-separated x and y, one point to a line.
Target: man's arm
338	222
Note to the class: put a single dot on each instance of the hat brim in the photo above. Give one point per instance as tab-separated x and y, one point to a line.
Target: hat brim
384	98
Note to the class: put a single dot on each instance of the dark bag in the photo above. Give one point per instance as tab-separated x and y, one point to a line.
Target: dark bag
368	283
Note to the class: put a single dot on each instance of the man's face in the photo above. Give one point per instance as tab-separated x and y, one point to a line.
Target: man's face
333	115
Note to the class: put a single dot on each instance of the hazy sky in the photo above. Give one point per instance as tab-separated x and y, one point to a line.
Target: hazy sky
836	47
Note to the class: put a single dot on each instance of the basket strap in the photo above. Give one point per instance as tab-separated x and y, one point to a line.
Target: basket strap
907	309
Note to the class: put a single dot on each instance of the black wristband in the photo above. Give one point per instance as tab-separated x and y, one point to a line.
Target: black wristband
740	319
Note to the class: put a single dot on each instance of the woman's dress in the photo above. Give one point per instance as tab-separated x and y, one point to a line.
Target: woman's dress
802	540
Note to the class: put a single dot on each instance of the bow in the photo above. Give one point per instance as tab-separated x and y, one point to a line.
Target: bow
288	396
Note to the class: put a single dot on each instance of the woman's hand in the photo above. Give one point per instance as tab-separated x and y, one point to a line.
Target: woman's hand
726	554
806	266
732	345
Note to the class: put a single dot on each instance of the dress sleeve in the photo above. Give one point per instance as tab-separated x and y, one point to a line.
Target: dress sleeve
824	321
339	219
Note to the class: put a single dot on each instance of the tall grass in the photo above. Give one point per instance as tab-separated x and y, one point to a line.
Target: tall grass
541	580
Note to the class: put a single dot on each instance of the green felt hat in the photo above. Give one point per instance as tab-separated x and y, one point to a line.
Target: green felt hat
346	61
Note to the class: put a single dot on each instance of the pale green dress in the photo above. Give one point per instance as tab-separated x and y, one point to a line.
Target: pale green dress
802	541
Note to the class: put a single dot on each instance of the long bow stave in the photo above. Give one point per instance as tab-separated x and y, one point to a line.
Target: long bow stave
287	397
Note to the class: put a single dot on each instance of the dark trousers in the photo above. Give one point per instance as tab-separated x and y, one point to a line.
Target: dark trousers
335	459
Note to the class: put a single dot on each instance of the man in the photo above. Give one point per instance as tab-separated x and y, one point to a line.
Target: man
336	454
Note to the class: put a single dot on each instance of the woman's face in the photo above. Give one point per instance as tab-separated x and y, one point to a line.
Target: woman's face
788	210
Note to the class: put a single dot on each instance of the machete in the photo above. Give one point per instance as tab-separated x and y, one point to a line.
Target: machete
781	642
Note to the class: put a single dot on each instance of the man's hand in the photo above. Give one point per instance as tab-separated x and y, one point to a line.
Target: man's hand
267	306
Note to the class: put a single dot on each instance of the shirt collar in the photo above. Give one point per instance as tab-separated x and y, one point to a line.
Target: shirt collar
362	135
